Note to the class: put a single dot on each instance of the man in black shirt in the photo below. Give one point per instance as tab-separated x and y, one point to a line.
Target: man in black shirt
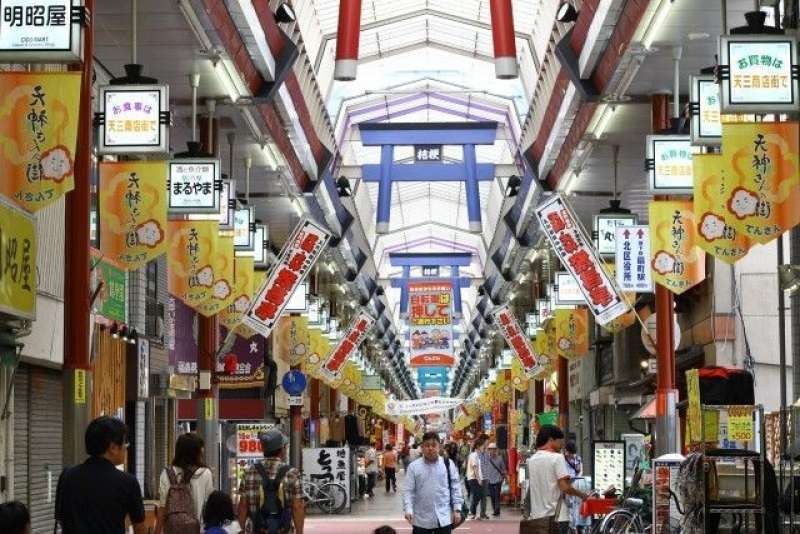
95	496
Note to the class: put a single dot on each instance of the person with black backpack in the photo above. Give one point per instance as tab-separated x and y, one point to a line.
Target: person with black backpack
271	494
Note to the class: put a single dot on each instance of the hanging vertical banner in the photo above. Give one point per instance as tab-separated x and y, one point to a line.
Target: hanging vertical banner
299	254
430	323
259	277
712	183
633	259
133	211
359	327
112	282
518	377
516	339
677	262
182	338
242	293
245	358
192	246
38	132
222	288
570	242
764	195
572	333
17	261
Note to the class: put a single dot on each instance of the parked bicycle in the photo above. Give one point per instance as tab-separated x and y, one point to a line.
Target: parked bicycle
329	497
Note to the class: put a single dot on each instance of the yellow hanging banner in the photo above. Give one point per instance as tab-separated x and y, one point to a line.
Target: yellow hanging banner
572	332
712	183
133	211
764	196
222	262
242	330
677	262
38	134
192	245
17	261
242	292
518	377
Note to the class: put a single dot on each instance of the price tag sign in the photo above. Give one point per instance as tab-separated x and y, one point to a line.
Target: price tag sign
740	423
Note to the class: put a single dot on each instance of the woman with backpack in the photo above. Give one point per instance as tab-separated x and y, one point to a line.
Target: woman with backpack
184	488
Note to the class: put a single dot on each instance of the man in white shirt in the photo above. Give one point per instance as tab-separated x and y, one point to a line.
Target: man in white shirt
371	461
475	476
549	482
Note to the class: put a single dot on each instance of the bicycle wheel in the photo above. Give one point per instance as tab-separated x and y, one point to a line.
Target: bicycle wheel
331	498
621	522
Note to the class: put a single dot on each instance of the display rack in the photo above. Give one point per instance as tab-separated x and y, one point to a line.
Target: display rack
743	491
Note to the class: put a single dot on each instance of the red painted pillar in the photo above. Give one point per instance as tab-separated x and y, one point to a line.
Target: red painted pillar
347	37
505	46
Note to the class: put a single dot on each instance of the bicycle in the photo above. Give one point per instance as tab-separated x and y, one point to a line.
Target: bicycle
329	497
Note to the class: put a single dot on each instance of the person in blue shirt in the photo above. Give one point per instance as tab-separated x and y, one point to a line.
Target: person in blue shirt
432	498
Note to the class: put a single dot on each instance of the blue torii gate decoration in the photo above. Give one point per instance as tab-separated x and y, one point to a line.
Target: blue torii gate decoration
389	135
432	376
454	260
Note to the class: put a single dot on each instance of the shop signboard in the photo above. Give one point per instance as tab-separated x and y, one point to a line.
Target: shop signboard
545	310
666	515
134	119
222	264
17	261
567	291
298	256
608	465
194	186
604	230
227	201
192	246
112	294
333	363
259	250
758	74
574	249
572	333
635	452
668	162
705	106
247	439
48	31
430	321
516	339
633	259
328	465
244	228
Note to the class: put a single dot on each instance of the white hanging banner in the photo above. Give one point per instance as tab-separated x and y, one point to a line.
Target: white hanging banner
348	345
422	406
519	343
633	259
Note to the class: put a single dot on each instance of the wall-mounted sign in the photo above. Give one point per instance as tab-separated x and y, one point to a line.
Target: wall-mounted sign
669	164
759	74
299	254
41	31
135	119
427	152
633	259
260	244
604	226
567	290
244	228
17	261
194	186
573	247
335	361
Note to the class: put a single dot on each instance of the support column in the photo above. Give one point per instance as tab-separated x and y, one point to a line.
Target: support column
296	434
471	188
563	393
504	39
347	38
404	292
385	189
77	359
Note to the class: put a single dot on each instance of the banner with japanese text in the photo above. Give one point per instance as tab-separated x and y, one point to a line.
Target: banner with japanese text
430	323
259	278
516	339
39	133
298	256
632	261
17	261
572	332
222	263
192	245
422	406
574	248
712	184
678	263
181	337
243	278
763	198
241	361
111	283
348	345
133	211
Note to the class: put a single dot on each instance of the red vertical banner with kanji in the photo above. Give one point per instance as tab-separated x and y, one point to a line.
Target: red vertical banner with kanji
430	323
334	362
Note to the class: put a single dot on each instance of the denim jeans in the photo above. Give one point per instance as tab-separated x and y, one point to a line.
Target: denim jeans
475	494
494	494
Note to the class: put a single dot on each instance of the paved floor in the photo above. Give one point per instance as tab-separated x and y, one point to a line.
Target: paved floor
368	514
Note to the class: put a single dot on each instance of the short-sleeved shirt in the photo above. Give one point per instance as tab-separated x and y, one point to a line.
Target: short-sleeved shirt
546	469
389	459
202	485
95	496
371	460
253	484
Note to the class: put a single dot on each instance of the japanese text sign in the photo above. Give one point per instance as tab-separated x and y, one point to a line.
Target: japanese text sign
110	300
190	258
427	152
677	262
17	261
194	186
669	164
133	211
567	291
604	225
429	319
707	119
569	240
247	439
572	333
227	205
40	30
328	465
763	198
142	368
299	254
348	344
740	423
633	259
516	339
241	361
244	228
432	404
134	119
39	132
182	337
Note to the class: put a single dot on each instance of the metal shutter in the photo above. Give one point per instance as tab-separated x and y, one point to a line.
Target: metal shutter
21	434
45	445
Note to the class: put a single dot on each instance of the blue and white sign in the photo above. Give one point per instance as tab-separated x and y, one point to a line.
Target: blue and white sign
633	259
294	382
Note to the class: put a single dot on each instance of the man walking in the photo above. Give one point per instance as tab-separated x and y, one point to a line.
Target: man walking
475	477
371	461
496	472
432	498
549	484
95	496
390	467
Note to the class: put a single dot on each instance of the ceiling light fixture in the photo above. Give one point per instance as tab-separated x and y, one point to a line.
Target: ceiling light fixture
513	185
285	14
656	22
566	13
343	187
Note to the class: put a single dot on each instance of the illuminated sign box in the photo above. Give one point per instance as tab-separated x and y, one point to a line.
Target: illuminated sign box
41	31
244	229
567	290
669	164
194	186
605	231
759	74
135	119
705	106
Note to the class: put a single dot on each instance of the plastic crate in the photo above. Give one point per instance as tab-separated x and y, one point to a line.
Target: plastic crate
597	506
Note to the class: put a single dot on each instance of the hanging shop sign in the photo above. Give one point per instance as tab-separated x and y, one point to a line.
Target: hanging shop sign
430	321
192	246
244	229
194	186
142	368
633	259
426	405
764	196
704	107
182	337
604	230
39	117
222	263
133	211
759	74
231	316
248	441
570	242
713	179
545	310
49	31
360	325
677	262
240	363
567	291
516	339
572	333
111	284
227	201
427	153
260	244
299	254
649	334
669	164
17	261
134	119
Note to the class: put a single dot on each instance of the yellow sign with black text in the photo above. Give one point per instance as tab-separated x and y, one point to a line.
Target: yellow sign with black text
17	261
